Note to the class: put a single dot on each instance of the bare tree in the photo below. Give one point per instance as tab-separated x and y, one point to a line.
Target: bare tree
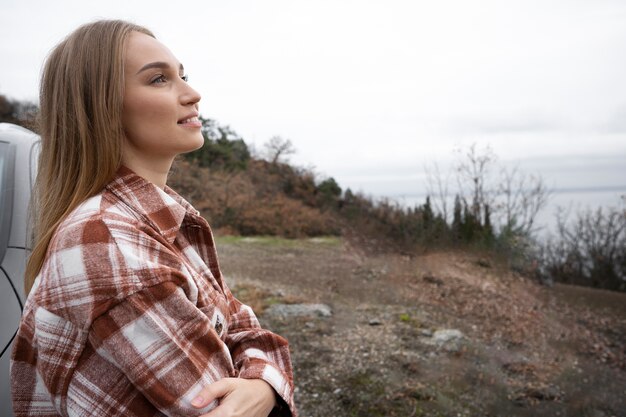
590	249
437	186
509	195
521	198
473	172
277	148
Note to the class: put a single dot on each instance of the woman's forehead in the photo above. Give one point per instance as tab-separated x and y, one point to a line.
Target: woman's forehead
142	50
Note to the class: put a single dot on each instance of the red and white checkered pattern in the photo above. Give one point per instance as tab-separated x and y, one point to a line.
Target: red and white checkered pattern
130	315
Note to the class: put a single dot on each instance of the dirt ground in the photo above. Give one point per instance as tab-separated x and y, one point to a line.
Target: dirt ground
525	350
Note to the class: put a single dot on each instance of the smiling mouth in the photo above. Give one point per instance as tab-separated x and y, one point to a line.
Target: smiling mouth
191	120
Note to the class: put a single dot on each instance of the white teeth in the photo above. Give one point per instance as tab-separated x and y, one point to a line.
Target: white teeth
191	119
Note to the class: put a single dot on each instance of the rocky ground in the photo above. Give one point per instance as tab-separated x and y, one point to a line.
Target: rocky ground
442	334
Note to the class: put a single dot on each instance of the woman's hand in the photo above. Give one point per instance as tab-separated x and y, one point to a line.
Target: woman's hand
238	397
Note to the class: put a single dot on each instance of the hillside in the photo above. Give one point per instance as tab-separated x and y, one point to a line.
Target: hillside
514	348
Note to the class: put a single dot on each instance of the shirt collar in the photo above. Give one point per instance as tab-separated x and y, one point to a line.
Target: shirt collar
163	209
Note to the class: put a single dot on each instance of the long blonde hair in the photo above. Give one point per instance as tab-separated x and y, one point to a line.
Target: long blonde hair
81	99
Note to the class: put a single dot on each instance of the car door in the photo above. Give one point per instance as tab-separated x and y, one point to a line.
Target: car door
19	150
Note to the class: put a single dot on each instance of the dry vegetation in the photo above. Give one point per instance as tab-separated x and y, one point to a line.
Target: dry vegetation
253	202
528	350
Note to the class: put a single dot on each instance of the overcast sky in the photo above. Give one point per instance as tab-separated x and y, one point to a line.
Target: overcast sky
369	91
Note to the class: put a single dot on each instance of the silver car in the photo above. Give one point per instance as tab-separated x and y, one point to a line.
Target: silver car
19	150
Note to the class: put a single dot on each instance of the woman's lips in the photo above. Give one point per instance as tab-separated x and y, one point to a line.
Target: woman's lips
190	122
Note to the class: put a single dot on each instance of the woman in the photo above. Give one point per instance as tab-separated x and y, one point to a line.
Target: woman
128	313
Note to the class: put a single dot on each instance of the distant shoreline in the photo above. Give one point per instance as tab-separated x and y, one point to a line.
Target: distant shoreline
560	190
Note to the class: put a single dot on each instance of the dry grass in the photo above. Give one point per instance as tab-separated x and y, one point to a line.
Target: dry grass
528	351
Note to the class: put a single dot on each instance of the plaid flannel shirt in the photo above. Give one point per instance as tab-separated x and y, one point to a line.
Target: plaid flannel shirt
130	315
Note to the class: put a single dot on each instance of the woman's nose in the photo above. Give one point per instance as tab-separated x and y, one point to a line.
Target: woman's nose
190	96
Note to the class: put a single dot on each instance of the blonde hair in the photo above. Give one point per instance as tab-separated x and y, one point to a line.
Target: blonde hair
81	99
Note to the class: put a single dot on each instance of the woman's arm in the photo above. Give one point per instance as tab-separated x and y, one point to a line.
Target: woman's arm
169	351
165	346
259	353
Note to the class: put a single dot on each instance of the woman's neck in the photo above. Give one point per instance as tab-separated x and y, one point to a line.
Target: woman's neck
155	171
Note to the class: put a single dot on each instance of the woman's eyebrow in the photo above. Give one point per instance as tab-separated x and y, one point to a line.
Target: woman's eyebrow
159	64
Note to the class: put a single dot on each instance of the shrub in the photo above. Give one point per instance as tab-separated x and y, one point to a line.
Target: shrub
590	250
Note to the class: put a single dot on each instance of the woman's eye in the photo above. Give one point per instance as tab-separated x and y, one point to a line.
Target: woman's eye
158	80
185	77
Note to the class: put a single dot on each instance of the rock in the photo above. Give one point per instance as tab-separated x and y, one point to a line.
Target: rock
426	333
299	310
447	339
447	335
375	322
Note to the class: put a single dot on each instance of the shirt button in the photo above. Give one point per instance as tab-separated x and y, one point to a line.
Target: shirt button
218	327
